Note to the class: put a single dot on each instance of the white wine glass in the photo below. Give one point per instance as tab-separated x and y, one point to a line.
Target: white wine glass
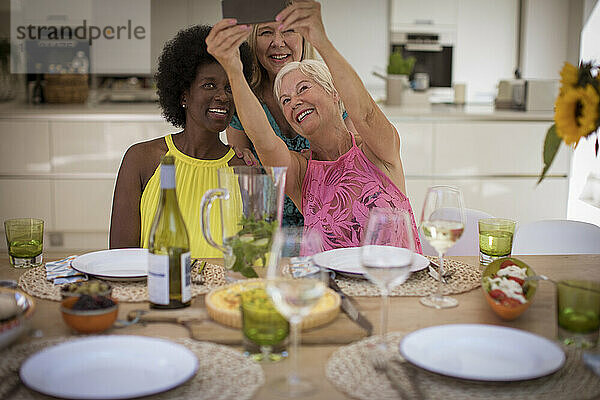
442	223
295	285
386	256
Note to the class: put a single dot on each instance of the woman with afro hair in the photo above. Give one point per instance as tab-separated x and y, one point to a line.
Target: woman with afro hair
195	95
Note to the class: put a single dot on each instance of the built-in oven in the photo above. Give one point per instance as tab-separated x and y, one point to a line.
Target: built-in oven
433	57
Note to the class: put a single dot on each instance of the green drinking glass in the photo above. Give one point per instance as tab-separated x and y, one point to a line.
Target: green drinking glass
265	330
24	239
495	239
578	312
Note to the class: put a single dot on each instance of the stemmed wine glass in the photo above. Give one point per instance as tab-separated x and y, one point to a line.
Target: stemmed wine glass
443	223
387	254
295	286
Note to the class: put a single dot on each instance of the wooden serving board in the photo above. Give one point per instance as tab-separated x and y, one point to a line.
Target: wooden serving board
340	331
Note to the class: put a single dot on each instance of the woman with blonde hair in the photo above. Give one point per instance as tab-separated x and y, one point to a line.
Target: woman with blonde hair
345	174
271	49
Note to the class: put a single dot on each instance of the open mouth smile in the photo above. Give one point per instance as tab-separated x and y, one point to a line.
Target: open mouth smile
300	117
218	112
279	57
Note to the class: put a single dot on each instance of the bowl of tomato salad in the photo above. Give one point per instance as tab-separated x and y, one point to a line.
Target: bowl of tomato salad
505	288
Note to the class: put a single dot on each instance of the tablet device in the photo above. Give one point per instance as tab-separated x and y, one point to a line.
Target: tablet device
252	11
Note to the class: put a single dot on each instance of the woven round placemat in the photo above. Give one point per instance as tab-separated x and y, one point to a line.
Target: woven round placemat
350	370
223	373
465	277
34	283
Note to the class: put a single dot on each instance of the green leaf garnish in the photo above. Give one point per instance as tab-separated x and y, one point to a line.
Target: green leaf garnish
551	145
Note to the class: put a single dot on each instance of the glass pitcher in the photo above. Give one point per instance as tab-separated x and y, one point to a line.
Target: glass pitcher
251	203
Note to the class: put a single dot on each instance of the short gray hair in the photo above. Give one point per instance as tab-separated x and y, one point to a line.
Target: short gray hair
313	69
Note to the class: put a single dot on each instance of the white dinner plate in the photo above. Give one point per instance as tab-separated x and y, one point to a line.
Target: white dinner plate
347	261
116	264
482	352
109	367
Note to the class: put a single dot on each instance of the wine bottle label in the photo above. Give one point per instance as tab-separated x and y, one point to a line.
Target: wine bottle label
186	277
158	278
167	176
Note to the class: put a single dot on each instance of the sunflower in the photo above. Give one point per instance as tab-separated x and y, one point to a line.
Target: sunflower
576	112
569	76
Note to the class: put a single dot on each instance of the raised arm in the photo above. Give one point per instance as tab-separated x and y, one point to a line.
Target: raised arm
223	43
376	131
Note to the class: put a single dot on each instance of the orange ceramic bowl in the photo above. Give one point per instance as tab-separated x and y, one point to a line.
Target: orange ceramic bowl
88	321
508	312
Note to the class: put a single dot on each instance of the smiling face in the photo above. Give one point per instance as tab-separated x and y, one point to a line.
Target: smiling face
307	106
209	101
274	48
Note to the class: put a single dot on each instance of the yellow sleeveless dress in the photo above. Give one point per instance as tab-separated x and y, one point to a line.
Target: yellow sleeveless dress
193	177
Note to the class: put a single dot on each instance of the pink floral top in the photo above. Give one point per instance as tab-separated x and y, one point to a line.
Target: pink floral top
337	196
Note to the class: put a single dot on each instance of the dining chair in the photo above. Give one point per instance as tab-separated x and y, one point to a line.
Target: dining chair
468	244
558	236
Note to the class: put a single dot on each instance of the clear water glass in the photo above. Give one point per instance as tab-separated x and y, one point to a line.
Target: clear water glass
387	254
295	285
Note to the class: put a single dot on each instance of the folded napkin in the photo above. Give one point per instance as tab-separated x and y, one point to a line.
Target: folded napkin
61	272
302	266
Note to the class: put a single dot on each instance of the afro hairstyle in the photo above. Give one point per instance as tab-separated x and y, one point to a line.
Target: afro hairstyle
178	65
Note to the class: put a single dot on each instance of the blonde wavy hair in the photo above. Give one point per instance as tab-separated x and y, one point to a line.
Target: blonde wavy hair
259	73
313	69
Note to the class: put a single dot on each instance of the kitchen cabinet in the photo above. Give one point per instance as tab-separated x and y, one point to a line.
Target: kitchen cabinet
83	205
25	148
103	147
486	46
514	197
494	163
483	34
416	144
493	149
63	170
416	189
26	198
424	12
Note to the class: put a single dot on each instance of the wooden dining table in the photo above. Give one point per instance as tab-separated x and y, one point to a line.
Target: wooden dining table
406	315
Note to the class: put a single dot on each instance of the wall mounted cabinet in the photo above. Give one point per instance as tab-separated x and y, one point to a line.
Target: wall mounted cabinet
495	163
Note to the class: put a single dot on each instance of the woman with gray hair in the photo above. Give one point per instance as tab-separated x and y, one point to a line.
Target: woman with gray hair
271	50
342	177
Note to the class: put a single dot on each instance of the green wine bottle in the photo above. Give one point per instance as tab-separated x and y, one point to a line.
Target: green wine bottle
169	275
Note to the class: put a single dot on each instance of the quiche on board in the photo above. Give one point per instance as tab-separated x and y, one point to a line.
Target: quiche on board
223	305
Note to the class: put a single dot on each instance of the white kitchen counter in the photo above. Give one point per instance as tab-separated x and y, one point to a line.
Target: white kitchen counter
453	112
151	112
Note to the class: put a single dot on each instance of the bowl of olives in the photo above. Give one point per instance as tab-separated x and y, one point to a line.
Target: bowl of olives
91	288
89	313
